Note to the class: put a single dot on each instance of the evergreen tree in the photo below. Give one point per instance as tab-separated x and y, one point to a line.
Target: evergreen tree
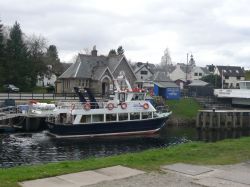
2	55
53	59
112	52
120	50
17	65
214	80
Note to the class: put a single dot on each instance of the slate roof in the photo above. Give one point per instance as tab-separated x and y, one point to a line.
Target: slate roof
166	84
198	83
88	66
231	71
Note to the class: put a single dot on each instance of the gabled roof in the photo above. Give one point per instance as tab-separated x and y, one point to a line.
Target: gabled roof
92	67
113	61
231	71
162	84
86	66
144	65
198	83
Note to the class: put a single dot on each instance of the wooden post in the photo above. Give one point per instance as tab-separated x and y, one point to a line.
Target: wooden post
211	120
218	119
204	119
198	120
234	120
241	119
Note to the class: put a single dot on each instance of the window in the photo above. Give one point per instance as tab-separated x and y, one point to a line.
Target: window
134	116
144	72
123	116
226	77
200	74
195	74
85	119
97	118
238	78
146	115
111	117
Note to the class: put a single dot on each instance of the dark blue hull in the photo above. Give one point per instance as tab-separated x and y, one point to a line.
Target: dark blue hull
107	129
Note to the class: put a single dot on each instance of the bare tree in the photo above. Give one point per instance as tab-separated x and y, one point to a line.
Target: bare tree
166	58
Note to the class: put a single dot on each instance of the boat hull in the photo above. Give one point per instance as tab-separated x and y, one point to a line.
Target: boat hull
148	126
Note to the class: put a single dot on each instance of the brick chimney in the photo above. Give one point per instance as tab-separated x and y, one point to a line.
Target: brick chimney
94	51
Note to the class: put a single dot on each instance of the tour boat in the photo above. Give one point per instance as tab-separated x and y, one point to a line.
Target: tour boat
239	96
128	113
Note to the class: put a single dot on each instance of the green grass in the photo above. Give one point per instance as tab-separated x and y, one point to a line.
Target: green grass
222	152
184	108
38	89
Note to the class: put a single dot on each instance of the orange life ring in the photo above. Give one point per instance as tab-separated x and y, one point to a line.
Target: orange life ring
145	106
124	105
87	106
72	106
110	106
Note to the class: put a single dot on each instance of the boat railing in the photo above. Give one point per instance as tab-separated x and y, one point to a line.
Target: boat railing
81	105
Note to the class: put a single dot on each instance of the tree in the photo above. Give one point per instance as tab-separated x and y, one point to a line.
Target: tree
2	55
166	59
17	65
37	47
214	80
53	59
120	50
112	52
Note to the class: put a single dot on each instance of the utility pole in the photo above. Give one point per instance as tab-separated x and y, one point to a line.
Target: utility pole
187	68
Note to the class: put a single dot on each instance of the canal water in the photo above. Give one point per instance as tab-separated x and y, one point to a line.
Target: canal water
35	148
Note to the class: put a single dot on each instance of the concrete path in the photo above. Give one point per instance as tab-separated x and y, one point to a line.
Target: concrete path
176	175
84	178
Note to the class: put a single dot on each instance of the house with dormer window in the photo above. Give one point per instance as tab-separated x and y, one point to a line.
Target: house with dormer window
231	75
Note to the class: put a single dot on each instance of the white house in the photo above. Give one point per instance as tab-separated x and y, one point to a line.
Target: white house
48	79
144	73
198	72
231	75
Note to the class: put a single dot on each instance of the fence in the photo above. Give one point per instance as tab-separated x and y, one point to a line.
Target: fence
42	96
38	96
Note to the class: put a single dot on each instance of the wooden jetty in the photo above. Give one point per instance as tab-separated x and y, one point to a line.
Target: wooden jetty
219	119
25	122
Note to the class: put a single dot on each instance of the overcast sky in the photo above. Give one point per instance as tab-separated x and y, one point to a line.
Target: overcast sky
215	31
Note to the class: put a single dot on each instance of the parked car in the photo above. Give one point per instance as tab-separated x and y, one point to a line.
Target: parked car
10	88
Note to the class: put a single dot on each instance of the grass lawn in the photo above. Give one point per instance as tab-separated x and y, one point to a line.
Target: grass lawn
222	152
185	107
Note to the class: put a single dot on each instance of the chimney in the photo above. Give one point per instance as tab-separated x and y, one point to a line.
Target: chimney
94	51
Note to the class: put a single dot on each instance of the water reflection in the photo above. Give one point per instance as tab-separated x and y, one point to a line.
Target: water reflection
23	148
35	148
216	135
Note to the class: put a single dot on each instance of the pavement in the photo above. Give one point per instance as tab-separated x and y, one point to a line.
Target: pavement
179	174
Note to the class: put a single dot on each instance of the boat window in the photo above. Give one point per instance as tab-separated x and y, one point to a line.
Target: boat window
134	115
85	119
146	115
123	116
122	97
154	114
97	118
138	96
111	117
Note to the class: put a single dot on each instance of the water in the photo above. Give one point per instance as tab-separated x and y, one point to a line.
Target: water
35	148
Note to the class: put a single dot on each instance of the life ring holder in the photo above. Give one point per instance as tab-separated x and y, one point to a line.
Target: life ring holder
124	105
110	106
87	106
145	106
